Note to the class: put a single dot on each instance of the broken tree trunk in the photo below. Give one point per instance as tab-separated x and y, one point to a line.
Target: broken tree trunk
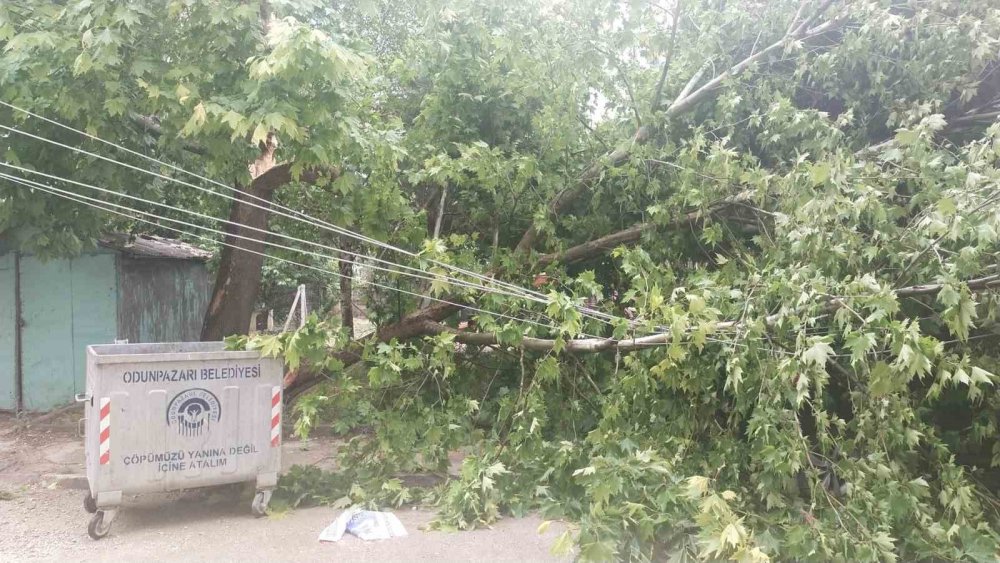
237	282
346	266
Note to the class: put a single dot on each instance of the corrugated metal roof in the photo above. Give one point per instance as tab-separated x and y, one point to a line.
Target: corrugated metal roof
150	246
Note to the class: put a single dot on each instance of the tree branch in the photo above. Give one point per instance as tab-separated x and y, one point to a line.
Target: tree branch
680	105
589	176
426	322
670	55
437	234
281	174
413	325
578	345
632	234
977	284
691	83
592	345
801	28
597	246
701	94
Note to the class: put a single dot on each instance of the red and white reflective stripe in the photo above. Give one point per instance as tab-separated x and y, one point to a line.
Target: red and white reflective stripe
105	430
275	416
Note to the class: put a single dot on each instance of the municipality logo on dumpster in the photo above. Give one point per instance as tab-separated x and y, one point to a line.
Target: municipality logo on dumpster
193	412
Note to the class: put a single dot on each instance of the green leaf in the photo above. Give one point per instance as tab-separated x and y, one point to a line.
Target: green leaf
196	121
269	346
947	206
960	316
547	370
731	535
697	486
183	93
949	295
818	353
260	134
906	137
979	375
116	106
860	345
819	173
881	380
597	551
232	119
83	63
696	304
563	544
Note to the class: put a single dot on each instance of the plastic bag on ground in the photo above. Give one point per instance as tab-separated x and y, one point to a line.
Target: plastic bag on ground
365	524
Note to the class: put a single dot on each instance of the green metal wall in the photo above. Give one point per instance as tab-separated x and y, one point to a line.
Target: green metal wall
95	298
47	333
8	361
66	306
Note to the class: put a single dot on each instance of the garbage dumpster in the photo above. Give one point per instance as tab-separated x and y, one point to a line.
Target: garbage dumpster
167	417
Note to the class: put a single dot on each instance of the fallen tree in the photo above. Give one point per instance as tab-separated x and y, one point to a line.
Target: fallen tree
766	383
760	241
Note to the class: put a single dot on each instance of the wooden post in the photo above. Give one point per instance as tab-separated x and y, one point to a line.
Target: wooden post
303	308
291	311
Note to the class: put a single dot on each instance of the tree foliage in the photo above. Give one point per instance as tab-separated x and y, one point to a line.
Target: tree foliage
796	202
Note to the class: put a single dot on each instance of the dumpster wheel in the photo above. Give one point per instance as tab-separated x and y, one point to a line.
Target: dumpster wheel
89	504
260	502
98	527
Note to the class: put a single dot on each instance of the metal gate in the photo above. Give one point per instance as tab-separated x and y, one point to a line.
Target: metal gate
65	305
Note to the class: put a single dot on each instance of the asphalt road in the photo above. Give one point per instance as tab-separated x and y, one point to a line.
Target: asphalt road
42	517
50	525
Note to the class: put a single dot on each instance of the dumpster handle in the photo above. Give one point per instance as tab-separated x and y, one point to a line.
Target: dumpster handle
84	397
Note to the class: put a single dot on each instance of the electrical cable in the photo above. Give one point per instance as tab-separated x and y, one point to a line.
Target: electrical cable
298	215
423	274
102	206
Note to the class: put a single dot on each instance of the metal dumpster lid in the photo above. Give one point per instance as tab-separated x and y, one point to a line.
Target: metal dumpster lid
166	352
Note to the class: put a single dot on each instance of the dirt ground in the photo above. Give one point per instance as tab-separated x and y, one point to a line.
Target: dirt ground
42	516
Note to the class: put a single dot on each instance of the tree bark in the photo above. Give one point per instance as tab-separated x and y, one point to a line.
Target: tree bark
238	280
978	284
593	173
597	246
346	266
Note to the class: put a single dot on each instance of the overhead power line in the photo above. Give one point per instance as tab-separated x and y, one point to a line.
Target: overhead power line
295	215
269	206
404	269
111	208
223	233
